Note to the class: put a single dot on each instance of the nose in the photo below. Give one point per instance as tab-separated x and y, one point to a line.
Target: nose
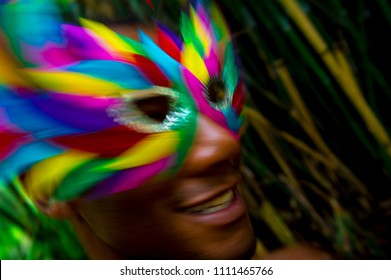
212	145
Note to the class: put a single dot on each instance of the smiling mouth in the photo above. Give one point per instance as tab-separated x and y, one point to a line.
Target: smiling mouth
212	206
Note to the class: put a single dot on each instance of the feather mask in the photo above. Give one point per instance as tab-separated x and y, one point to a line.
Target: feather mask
73	118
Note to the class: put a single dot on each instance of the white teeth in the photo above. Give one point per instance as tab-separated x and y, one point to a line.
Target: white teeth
214	205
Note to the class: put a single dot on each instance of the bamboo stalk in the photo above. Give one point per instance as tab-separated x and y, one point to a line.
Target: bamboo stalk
260	250
309	127
260	124
300	145
277	225
306	120
267	213
322	181
341	237
301	198
339	68
352	90
325	80
297	143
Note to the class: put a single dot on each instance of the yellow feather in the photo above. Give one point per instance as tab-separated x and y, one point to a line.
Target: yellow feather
194	63
110	37
202	31
73	83
154	147
42	179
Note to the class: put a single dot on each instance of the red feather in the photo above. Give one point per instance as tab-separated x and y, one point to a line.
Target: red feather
149	2
151	71
107	143
168	45
238	98
9	141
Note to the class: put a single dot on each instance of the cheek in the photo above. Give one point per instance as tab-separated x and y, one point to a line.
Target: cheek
134	229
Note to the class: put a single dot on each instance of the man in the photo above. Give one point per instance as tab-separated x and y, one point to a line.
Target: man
135	142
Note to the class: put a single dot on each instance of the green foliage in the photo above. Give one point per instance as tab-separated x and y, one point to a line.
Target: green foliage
27	234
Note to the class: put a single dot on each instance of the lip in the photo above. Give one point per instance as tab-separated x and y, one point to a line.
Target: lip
196	191
234	211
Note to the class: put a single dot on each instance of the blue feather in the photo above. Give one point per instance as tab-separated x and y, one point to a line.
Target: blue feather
21	112
170	66
123	74
233	120
26	157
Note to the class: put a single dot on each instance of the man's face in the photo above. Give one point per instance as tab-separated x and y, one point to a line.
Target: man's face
199	214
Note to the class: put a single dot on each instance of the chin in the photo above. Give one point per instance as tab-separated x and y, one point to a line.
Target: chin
235	242
242	244
238	241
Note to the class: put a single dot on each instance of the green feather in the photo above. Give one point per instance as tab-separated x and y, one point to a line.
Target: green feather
230	71
189	34
80	180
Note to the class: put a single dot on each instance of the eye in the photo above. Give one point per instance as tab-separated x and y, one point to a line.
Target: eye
153	110
157	108
215	91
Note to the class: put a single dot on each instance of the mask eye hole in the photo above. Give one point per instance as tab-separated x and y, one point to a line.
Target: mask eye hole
152	110
215	91
157	107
